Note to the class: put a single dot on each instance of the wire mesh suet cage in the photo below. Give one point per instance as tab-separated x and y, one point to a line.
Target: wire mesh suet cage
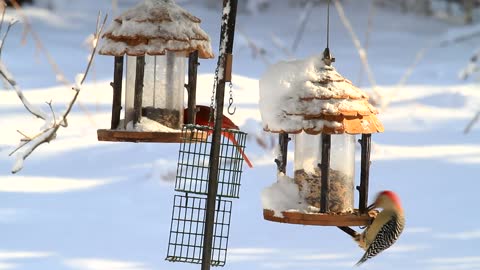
187	229
193	161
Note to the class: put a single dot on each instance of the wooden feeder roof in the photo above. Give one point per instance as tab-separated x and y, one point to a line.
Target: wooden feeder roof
318	101
154	27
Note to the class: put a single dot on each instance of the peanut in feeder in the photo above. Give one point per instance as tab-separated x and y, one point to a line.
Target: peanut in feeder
155	36
323	112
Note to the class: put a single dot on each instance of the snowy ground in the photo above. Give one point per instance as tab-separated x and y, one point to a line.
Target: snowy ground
84	204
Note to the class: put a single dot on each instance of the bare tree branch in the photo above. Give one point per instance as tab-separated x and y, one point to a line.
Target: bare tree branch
470	125
6	34
361	51
60	76
277	42
28	145
305	16
8	78
371	15
256	50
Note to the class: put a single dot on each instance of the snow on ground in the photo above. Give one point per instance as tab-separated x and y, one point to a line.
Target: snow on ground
84	204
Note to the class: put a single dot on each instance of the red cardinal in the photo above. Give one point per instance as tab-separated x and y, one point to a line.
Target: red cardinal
202	118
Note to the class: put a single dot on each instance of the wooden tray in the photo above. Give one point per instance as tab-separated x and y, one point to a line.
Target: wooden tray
319	219
153	137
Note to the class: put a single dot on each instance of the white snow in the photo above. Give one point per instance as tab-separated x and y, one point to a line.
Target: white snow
163	23
291	89
25	184
283	196
148	125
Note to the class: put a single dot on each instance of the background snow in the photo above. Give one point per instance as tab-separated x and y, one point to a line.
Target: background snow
84	204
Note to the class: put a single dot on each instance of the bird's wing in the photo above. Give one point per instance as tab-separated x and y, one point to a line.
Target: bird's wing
386	237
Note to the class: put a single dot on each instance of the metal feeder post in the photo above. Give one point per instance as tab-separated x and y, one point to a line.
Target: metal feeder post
192	87
226	34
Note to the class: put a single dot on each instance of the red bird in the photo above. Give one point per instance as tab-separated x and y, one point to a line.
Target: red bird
202	118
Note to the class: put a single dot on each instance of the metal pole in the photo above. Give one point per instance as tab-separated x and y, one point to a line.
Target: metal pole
117	91
192	87
283	140
137	104
226	34
365	142
325	168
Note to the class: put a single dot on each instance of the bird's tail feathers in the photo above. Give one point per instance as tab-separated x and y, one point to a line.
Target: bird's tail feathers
362	260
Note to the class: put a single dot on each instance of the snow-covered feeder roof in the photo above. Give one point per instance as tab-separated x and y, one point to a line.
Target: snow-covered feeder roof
310	96
154	27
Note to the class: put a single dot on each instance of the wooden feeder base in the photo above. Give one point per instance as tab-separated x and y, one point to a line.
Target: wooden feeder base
319	219
152	137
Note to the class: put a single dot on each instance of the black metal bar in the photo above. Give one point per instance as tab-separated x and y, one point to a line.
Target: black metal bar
348	231
325	168
365	142
192	87
227	34
117	91
137	103
281	161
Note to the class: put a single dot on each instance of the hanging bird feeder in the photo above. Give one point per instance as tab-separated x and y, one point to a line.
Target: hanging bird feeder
310	102
155	36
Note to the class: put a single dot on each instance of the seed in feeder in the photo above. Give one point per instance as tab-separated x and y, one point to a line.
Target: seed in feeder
340	191
166	117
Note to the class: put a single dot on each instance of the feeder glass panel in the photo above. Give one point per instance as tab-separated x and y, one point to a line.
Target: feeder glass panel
130	89
308	176
308	156
342	173
163	90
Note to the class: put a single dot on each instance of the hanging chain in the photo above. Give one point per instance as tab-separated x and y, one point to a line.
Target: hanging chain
231	110
212	99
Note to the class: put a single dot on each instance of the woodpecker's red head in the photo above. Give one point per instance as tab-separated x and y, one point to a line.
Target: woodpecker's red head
387	200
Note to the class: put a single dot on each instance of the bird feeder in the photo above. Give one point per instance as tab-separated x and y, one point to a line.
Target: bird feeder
310	102
155	37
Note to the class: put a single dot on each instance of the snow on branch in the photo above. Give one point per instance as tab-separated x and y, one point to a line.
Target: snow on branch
52	122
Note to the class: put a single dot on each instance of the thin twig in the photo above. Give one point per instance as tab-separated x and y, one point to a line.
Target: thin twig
39	44
472	122
36	111
53	112
50	133
305	16
371	15
6	34
361	51
23	134
257	50
407	74
277	42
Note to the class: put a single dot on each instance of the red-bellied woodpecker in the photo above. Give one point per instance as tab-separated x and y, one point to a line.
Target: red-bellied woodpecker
385	228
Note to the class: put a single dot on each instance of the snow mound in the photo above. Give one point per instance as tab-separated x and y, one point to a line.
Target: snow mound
154	27
308	95
283	196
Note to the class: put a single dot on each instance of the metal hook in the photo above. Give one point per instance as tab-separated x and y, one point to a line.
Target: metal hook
230	104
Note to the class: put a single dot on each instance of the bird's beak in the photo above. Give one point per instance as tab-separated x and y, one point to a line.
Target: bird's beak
371	207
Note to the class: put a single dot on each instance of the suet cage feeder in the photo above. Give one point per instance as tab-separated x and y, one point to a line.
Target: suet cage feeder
192	184
324	122
153	39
